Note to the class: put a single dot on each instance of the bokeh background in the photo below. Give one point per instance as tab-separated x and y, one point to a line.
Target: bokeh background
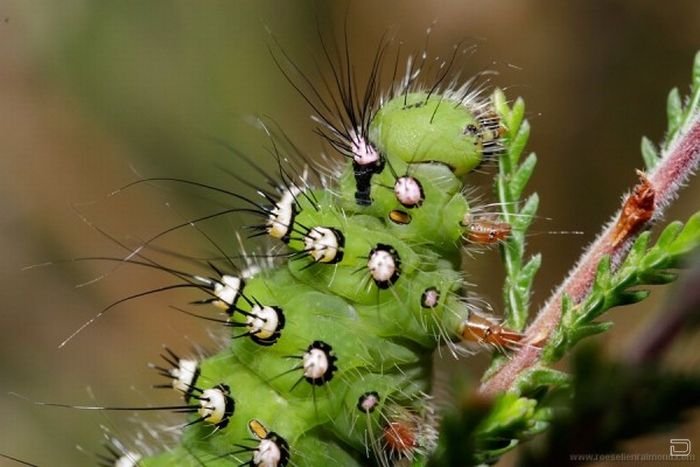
95	94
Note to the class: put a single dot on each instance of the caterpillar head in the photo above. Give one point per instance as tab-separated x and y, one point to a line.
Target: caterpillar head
422	127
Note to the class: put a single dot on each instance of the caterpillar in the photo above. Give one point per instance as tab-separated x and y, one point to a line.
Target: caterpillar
145	78
332	331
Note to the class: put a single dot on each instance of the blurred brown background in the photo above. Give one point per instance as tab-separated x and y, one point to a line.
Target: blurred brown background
92	92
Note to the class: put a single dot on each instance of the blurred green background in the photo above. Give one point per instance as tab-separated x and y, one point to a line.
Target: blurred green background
92	93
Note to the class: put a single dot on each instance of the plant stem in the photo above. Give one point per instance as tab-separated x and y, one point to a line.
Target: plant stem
679	162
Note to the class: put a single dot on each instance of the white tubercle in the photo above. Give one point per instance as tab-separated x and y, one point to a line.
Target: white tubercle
183	375
212	405
267	454
280	220
227	290
315	362
264	323
322	244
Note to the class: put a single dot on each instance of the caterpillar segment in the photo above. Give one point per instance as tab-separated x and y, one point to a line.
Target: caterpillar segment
425	127
293	418
365	405
433	191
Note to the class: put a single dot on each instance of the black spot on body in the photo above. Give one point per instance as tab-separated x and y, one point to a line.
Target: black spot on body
363	180
231	309
341	246
471	129
416	105
190	389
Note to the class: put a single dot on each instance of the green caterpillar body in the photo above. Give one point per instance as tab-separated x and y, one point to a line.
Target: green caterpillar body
330	359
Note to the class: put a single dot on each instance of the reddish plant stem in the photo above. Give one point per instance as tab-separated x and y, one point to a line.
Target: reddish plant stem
678	163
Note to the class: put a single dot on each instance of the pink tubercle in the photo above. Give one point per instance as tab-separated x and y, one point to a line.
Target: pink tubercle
363	152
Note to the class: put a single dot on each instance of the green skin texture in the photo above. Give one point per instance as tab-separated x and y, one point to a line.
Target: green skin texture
383	339
418	128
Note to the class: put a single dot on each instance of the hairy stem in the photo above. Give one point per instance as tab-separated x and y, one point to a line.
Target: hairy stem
680	160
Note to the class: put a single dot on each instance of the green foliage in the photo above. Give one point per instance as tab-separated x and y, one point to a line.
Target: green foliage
678	116
510	183
579	412
480	431
541	377
459	444
594	415
643	266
